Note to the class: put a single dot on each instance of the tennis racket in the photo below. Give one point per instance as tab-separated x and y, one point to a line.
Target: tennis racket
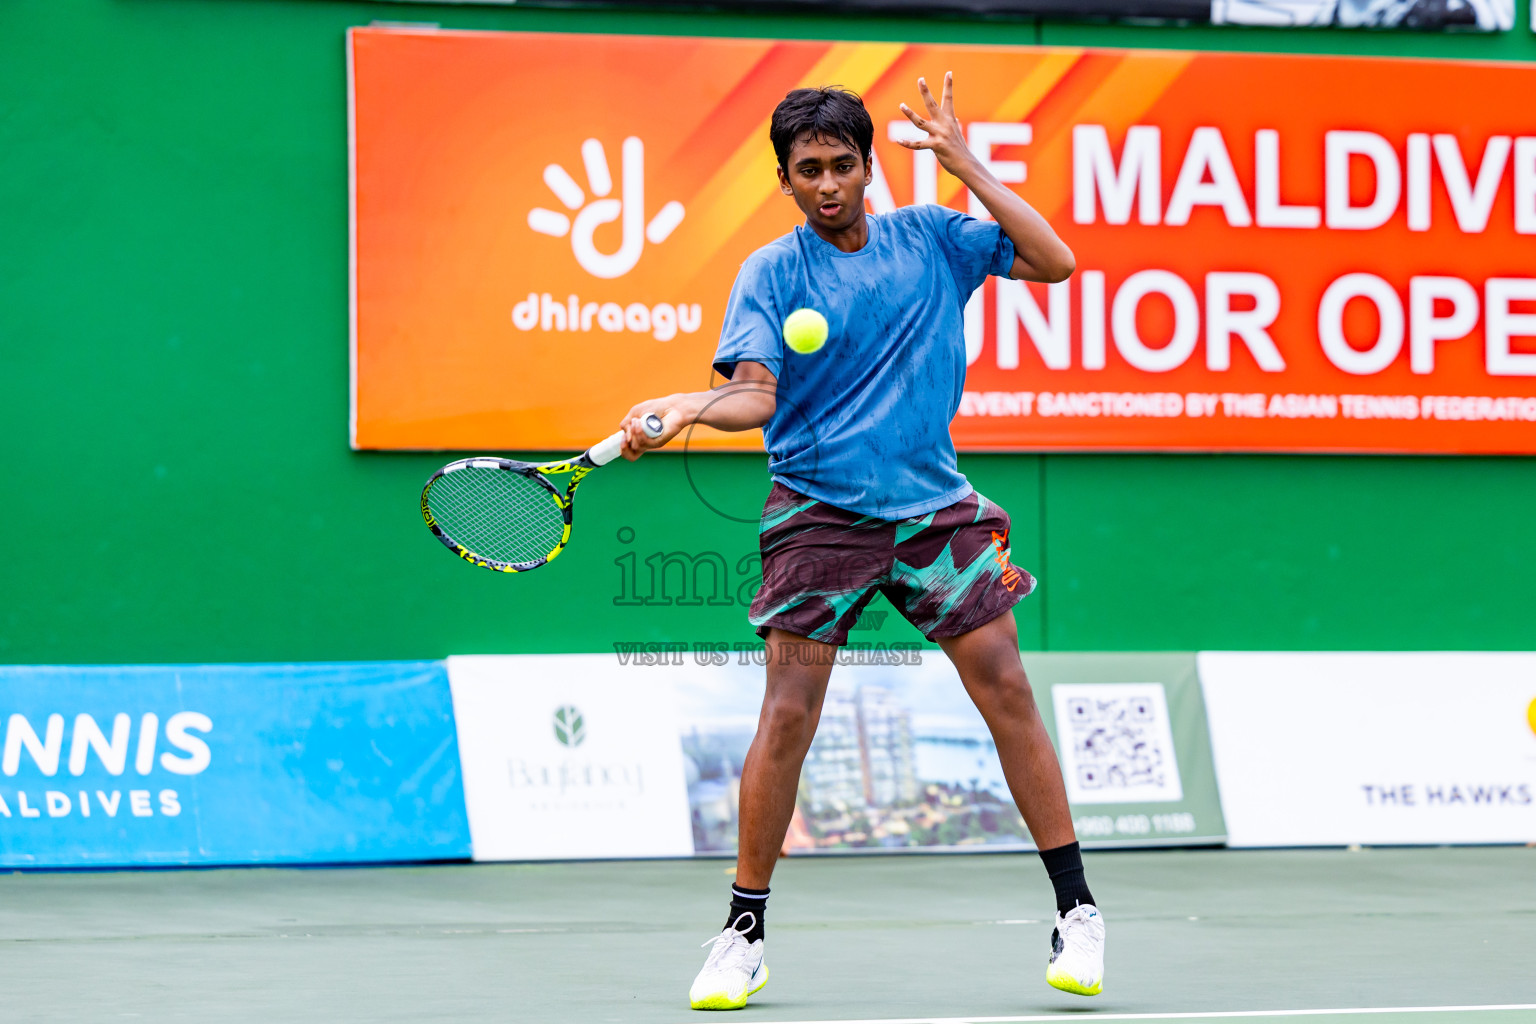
510	516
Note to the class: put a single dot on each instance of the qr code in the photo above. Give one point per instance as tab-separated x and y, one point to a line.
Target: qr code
1116	743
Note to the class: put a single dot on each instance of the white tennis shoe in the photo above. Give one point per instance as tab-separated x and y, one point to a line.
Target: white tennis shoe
1077	952
733	971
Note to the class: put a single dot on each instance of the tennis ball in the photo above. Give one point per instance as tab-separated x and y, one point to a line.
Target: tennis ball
805	331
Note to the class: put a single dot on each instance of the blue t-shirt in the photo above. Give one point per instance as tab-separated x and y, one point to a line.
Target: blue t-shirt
863	423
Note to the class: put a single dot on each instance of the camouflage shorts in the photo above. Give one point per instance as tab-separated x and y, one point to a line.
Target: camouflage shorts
947	572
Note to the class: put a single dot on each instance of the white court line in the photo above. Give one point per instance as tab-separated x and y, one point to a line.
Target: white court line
1089	1015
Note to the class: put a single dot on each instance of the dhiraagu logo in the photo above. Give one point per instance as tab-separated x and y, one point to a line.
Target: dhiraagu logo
591	212
589	209
570	729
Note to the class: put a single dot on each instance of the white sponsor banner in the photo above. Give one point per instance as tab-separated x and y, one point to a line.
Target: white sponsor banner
1334	749
1116	743
565	758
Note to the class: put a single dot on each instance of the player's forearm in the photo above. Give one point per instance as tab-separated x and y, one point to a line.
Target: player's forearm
1041	254
739	405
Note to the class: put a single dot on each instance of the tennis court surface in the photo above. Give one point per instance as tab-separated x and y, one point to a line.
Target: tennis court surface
1206	935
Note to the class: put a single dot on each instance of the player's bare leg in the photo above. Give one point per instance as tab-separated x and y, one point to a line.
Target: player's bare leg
798	670
988	661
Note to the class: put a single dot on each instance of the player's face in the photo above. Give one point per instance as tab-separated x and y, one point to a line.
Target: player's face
826	177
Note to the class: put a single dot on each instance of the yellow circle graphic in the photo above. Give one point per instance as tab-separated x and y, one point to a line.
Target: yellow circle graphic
1530	715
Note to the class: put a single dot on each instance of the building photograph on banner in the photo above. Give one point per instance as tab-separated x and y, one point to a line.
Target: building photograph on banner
1279	253
902	760
1374	749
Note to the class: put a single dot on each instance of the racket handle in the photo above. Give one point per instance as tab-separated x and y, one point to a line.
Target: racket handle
608	449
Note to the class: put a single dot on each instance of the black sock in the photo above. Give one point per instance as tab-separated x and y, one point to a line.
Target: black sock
748	901
1065	866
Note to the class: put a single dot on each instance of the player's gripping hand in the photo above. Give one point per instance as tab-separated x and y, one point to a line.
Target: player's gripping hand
944	135
636	441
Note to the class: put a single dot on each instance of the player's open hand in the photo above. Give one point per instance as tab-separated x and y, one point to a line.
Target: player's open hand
944	135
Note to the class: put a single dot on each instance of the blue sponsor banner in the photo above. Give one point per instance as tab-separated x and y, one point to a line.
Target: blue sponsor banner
229	764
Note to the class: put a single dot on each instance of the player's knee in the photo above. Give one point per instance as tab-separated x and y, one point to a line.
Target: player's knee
1008	690
788	721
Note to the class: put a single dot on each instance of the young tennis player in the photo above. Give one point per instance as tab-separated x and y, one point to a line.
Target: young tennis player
866	495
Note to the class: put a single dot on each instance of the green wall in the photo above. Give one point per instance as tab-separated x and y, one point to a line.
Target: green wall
173	399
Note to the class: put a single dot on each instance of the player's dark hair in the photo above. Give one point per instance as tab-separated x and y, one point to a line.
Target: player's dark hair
830	112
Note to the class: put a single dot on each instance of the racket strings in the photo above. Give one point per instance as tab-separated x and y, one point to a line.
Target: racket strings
497	514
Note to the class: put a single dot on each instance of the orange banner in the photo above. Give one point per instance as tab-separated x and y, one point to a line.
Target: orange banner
1274	253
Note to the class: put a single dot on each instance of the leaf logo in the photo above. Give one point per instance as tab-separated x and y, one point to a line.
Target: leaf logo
602	210
570	729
